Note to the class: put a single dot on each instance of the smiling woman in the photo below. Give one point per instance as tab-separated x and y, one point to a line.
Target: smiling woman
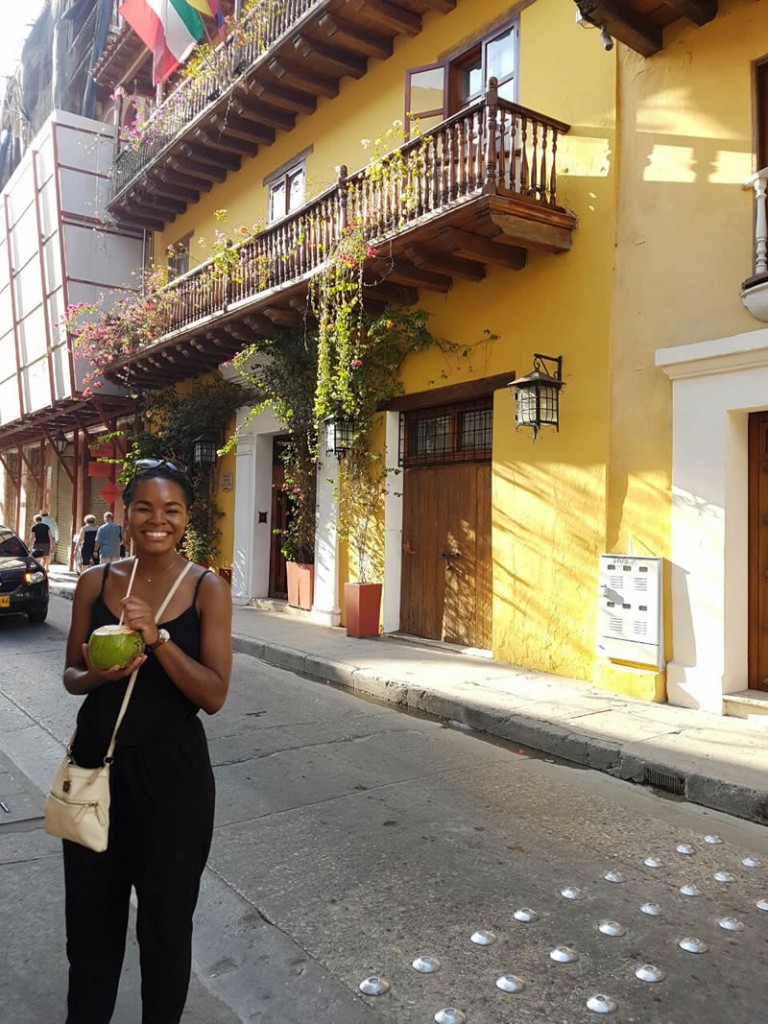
161	815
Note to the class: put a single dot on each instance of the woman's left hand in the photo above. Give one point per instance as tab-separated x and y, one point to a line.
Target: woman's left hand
138	615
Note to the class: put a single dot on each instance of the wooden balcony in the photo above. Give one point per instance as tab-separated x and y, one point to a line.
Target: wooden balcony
478	190
270	70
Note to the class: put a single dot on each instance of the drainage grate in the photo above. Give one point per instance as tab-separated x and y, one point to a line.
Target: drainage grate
664	780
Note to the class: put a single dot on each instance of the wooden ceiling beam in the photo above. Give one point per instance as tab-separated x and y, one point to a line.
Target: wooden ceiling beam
444	6
445	264
135	217
190	195
188	170
226	143
390	15
475	247
390	294
202	156
282	317
297	101
304	77
154	200
357	39
629	27
697	11
402	272
236	127
342	61
263	114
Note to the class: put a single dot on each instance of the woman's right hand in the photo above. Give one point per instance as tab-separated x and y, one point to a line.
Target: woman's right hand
108	675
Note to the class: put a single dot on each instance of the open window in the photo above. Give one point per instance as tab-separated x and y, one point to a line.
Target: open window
435	91
287	188
178	257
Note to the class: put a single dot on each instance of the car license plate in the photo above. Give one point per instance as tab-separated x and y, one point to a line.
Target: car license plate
5	601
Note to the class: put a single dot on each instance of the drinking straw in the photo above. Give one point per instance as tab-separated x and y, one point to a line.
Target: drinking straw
130	586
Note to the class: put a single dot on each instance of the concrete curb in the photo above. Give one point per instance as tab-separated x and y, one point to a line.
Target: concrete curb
562	741
629	759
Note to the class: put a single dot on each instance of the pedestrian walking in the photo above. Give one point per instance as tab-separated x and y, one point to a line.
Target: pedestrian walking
40	540
53	526
86	541
162	802
109	538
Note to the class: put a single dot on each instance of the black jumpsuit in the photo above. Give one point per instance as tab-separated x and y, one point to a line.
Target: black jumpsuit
161	822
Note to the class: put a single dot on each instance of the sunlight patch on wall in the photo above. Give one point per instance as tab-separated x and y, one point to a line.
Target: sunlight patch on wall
730	168
671	164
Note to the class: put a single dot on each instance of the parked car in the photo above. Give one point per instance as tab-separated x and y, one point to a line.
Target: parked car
23	580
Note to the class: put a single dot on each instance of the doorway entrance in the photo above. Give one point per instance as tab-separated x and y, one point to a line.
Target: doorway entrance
758	551
278	582
447	587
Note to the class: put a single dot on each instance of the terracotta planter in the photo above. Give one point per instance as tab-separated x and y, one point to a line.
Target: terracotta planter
362	608
301	584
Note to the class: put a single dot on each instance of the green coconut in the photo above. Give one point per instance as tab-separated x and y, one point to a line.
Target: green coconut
114	645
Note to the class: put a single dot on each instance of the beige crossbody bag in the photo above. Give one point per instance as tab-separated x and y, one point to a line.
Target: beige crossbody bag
77	807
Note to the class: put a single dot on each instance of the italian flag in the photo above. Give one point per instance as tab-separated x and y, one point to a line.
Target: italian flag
169	28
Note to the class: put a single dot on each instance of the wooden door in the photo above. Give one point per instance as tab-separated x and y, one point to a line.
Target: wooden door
758	551
447	569
278	582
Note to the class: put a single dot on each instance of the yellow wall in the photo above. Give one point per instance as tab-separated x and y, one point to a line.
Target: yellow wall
684	242
652	167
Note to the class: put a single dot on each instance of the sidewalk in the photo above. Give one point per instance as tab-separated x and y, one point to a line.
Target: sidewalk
718	762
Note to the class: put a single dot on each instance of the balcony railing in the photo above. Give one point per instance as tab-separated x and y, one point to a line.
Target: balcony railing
258	31
754	293
492	150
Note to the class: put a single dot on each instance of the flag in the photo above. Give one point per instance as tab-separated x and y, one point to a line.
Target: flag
169	28
211	8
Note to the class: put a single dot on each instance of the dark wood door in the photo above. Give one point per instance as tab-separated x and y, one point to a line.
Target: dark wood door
758	551
447	566
278	583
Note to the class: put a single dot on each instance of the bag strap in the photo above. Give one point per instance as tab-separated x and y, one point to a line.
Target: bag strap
132	681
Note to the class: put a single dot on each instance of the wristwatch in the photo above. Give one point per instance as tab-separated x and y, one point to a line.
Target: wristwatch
163	636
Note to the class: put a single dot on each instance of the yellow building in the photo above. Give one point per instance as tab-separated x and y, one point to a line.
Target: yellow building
574	192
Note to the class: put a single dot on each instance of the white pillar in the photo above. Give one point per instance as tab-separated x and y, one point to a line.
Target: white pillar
243	540
325	609
393	527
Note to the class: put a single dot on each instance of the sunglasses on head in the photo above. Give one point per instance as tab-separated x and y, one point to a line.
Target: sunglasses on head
142	464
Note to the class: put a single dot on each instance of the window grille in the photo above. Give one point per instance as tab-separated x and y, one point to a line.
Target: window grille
457	433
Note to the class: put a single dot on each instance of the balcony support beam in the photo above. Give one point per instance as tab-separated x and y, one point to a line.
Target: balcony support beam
389	14
401	272
282	317
697	11
442	263
470	246
265	116
297	101
304	78
354	38
202	157
237	127
343	61
217	141
190	171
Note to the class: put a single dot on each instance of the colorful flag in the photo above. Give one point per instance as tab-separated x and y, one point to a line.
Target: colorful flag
169	28
211	8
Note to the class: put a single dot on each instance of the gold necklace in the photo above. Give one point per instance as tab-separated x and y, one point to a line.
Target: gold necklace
162	572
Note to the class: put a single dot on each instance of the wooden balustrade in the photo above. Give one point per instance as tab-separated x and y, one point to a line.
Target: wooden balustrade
490	147
255	34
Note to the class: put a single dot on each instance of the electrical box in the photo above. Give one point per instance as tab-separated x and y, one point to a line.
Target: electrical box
630	622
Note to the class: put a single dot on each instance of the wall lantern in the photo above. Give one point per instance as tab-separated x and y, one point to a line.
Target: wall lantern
339	435
204	449
60	443
537	396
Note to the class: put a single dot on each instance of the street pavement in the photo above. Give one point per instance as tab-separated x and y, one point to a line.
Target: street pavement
718	762
351	838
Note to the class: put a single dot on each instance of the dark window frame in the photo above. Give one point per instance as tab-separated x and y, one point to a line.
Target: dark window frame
456	450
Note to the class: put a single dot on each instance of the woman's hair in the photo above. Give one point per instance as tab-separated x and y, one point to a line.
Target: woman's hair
90	519
164	472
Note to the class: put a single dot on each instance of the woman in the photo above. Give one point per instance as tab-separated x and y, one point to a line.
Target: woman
161	816
41	539
86	541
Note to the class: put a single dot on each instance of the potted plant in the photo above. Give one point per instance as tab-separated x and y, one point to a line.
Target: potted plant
361	493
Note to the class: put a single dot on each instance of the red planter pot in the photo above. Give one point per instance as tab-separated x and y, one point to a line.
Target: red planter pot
362	608
301	584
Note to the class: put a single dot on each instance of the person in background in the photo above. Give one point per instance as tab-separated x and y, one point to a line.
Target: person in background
40	541
109	537
53	526
86	541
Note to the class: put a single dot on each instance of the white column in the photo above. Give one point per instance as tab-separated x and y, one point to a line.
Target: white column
243	540
393	527
325	609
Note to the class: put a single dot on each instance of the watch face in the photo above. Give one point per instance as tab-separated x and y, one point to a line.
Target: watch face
163	636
